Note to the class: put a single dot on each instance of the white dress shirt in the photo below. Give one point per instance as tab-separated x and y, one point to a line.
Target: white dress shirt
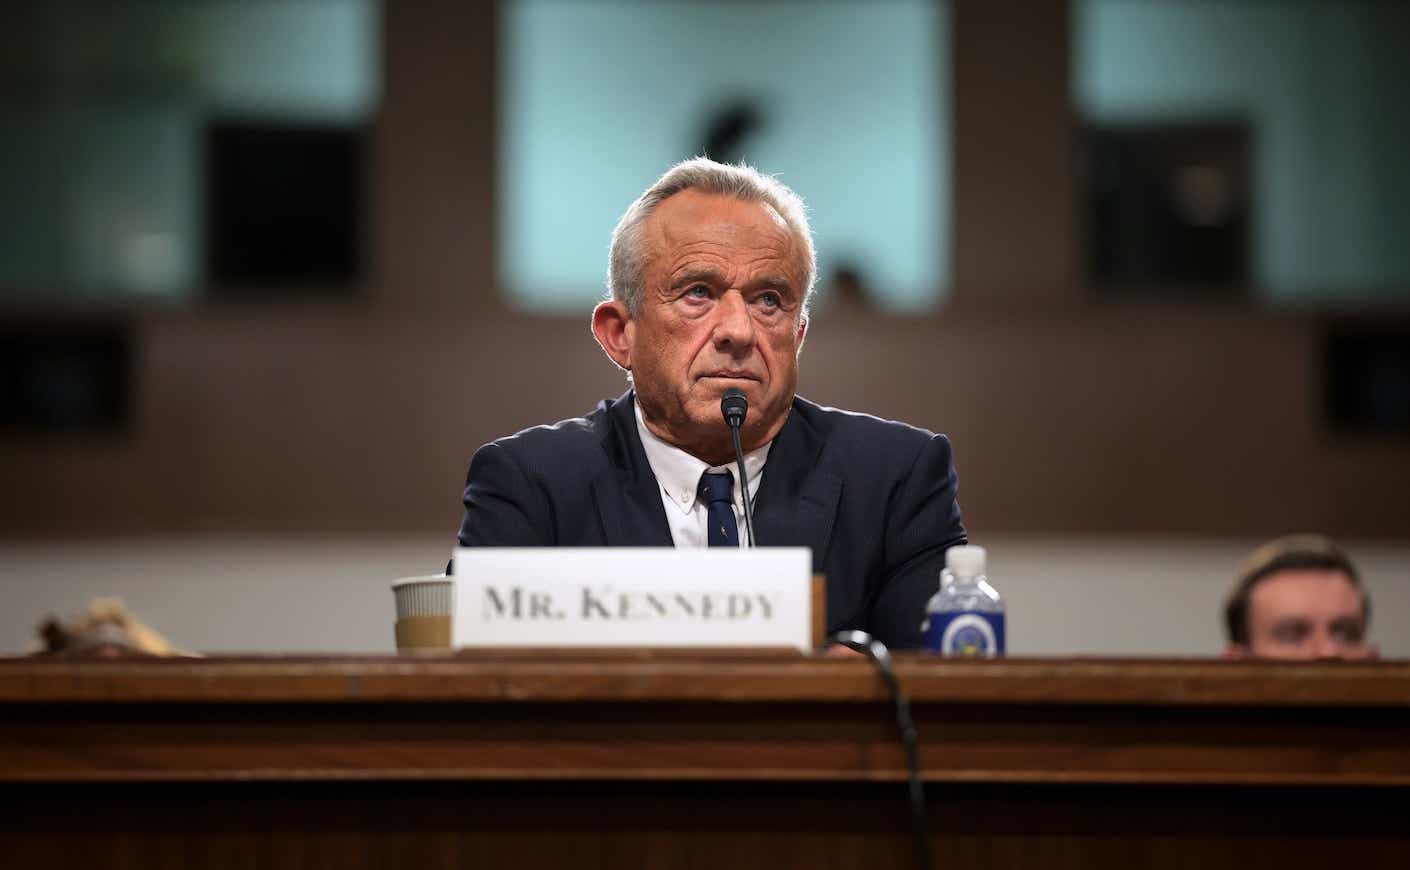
678	474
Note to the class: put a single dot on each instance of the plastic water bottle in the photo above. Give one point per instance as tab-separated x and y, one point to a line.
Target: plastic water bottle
966	617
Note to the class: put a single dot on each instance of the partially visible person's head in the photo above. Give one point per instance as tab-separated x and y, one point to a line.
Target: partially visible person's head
711	271
1298	597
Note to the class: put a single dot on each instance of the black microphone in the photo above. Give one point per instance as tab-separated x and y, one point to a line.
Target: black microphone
734	405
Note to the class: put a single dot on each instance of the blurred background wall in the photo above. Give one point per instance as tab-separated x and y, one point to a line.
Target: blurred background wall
270	272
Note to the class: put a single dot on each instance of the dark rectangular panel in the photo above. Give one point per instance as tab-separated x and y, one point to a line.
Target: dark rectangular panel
1368	378
55	379
283	206
1168	207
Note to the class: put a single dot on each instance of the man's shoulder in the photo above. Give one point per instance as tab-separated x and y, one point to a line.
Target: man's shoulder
853	428
855	444
564	438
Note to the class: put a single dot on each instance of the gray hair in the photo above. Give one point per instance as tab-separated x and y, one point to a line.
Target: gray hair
627	265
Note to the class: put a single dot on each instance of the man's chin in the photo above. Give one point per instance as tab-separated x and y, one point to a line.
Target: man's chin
706	415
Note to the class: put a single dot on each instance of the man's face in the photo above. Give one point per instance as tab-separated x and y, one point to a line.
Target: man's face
1307	614
721	307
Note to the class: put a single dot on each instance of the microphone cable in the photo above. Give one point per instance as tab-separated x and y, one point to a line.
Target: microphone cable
880	657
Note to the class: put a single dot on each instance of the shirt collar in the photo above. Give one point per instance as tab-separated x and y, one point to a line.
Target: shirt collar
678	473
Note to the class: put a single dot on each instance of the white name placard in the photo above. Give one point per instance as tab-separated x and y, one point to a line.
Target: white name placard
629	597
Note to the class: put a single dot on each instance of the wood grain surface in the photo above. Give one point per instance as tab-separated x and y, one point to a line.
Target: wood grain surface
657	759
693	675
673	716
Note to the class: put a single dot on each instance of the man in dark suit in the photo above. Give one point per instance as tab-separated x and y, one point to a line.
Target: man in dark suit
711	270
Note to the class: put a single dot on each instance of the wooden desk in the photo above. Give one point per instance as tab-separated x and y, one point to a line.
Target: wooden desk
642	760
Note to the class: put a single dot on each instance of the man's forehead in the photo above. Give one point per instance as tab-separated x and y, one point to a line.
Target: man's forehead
692	211
1308	591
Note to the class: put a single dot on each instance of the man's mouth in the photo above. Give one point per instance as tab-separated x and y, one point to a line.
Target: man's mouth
731	375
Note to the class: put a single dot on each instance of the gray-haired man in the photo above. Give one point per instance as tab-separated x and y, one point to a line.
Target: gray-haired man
710	276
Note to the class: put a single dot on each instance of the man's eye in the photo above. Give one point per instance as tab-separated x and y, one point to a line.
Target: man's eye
1291	632
698	291
770	300
1348	632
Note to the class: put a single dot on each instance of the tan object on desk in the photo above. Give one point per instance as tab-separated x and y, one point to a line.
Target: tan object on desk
106	630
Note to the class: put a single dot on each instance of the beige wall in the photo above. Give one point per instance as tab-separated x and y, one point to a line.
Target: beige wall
1065	596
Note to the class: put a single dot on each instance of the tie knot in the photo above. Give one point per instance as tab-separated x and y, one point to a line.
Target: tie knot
717	487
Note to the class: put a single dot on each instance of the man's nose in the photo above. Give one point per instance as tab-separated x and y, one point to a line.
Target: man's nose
734	329
1326	646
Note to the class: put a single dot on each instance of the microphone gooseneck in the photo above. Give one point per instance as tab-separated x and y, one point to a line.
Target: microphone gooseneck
734	405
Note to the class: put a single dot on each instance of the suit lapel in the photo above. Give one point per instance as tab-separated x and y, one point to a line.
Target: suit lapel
797	500
627	494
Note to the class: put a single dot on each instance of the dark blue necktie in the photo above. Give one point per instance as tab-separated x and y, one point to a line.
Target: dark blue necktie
717	491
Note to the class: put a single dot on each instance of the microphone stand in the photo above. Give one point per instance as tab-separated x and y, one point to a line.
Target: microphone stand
734	405
744	482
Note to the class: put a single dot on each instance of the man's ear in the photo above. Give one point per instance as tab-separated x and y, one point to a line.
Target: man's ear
613	328
802	333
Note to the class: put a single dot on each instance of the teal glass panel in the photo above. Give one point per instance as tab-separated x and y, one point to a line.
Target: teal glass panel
847	102
1322	85
101	161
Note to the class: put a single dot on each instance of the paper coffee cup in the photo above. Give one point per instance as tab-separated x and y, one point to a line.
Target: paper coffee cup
424	607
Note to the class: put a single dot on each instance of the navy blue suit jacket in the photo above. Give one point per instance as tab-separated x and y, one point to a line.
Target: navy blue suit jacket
875	500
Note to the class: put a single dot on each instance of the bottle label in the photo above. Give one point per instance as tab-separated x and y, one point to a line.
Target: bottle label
965	634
